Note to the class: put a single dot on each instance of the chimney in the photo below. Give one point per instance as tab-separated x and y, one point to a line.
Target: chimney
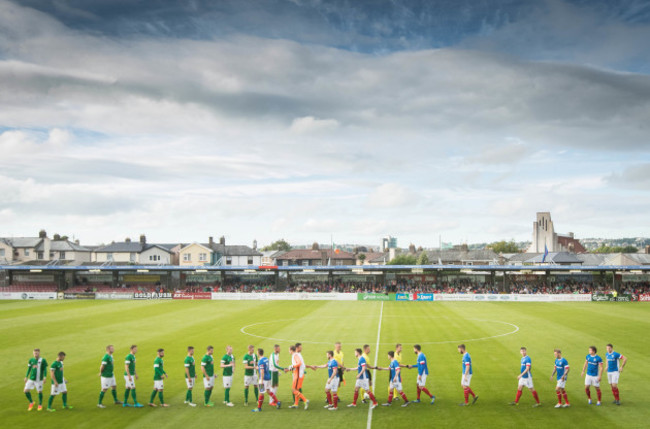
127	240
77	242
254	244
315	246
210	241
42	233
571	235
222	240
143	239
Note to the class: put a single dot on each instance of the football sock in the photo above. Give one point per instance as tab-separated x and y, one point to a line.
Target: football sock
616	393
471	392
29	396
566	398
126	395
153	396
245	394
329	398
466	393
390	397
40	398
227	396
518	396
260	401
588	392
335	399
114	392
419	392
257	392
64	396
425	390
372	397
356	396
272	395
404	397
133	396
299	397
101	396
189	395
599	393
535	396
49	402
559	397
160	395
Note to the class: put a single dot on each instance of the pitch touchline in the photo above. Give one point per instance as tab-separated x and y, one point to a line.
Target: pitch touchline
289	340
374	371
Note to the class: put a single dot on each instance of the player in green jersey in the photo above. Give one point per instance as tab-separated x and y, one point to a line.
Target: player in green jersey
36	370
275	370
107	377
250	373
190	375
228	365
158	375
58	383
207	367
129	378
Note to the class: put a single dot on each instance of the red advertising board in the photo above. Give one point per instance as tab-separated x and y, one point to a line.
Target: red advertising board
192	295
645	297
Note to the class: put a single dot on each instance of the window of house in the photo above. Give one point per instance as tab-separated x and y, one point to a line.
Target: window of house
61	255
40	255
305	262
109	256
187	257
26	252
285	263
228	260
203	257
250	261
132	257
318	262
2	252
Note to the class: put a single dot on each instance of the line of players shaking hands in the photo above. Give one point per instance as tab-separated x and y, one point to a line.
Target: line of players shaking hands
262	374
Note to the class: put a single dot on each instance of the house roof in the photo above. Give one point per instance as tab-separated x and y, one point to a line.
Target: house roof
452	255
315	254
62	246
20	242
556	258
592	259
232	250
121	247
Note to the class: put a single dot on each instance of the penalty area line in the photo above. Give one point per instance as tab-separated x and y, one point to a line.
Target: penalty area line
374	371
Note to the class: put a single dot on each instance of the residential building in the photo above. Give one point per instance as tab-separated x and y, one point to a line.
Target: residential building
42	249
218	253
134	252
316	257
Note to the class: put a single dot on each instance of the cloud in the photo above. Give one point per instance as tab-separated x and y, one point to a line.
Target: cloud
635	176
392	196
309	124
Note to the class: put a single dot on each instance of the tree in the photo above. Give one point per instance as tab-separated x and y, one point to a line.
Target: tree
504	247
616	249
280	244
423	259
405	259
362	258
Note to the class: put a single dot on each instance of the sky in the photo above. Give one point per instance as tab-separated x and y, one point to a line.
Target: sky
313	120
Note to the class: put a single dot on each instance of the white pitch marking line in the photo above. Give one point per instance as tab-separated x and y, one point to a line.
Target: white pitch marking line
374	371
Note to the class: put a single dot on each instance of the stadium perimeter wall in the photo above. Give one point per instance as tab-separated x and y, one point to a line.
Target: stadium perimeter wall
305	296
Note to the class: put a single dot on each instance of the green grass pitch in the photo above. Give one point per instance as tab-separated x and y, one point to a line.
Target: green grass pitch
83	328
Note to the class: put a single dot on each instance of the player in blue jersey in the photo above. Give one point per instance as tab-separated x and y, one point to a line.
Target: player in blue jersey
395	380
423	372
594	366
362	381
561	370
526	378
333	380
467	376
265	381
615	364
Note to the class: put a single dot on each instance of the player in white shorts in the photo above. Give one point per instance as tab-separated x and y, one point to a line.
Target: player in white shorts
189	365
362	381
526	378
58	383
228	366
159	375
107	377
594	367
333	380
466	377
615	364
36	370
395	380
561	368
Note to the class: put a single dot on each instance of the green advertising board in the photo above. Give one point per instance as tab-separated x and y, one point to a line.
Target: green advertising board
375	297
